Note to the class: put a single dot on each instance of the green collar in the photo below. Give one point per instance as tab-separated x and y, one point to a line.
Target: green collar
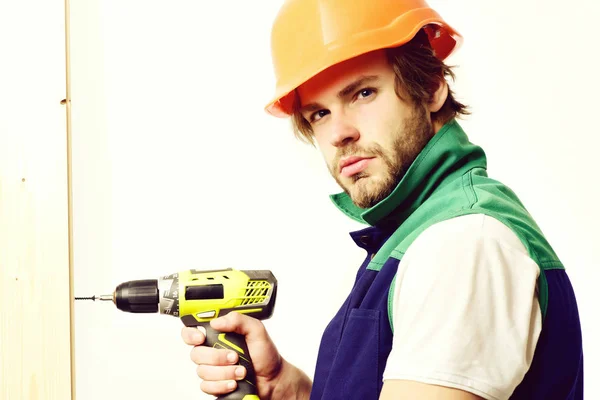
447	155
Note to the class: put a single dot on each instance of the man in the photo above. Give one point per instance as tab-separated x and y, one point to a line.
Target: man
460	295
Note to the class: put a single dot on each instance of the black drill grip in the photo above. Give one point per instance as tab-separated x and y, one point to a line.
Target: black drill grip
246	388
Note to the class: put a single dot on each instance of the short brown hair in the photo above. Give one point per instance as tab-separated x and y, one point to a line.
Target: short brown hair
418	75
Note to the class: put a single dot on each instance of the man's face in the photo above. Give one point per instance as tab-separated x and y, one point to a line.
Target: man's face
367	134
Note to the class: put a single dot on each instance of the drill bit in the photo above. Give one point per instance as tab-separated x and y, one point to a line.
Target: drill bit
102	297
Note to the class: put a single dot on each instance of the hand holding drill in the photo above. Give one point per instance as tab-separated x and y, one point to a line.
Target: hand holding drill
197	298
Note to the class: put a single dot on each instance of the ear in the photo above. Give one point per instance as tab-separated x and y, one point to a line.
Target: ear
439	97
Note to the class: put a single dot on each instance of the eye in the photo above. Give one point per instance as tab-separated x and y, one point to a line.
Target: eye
314	117
367	92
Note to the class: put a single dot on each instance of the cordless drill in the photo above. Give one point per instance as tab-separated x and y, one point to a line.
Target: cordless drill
197	297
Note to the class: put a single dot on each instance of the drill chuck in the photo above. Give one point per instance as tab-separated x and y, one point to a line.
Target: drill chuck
139	296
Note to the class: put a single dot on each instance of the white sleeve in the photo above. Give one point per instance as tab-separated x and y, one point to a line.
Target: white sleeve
465	308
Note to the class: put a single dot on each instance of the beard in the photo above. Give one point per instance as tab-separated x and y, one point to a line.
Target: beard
409	140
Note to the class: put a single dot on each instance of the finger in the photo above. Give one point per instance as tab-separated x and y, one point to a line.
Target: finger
192	336
212	373
235	322
211	356
218	388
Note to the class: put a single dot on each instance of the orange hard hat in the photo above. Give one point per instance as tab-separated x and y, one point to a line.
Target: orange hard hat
309	36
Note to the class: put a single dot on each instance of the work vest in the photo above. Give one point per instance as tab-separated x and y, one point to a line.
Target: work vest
448	179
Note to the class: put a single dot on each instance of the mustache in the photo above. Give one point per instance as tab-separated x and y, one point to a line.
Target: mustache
354	151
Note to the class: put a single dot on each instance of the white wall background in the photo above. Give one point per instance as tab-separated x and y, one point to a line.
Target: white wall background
177	166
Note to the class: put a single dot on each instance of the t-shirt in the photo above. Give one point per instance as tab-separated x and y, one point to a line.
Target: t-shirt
465	308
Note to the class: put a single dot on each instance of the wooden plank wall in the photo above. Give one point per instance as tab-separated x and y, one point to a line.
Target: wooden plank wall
35	278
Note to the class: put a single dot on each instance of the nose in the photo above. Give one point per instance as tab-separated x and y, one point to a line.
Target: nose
343	131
